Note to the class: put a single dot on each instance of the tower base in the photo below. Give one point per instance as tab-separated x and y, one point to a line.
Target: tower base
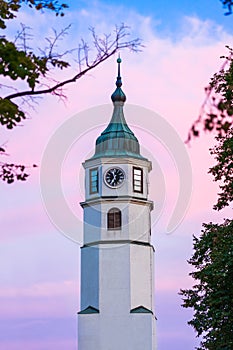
135	331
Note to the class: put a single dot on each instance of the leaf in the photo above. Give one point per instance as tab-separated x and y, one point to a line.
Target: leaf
10	114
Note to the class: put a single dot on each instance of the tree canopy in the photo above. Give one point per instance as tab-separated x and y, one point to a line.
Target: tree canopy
212	295
223	169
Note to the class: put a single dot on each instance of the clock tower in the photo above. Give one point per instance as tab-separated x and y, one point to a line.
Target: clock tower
117	268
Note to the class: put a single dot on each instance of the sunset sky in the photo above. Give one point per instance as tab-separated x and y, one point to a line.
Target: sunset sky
164	85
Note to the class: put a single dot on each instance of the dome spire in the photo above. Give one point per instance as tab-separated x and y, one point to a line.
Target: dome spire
117	140
119	82
118	94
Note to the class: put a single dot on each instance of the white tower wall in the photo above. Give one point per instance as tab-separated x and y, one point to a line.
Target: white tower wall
121	287
117	266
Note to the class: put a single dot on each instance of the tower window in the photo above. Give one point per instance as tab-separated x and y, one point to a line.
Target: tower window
114	219
94	180
137	180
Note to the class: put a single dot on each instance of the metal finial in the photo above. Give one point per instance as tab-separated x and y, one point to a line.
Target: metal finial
119	82
119	66
118	94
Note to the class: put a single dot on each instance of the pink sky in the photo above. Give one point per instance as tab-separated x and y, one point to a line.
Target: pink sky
39	287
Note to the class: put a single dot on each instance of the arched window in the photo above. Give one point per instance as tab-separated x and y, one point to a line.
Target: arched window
114	219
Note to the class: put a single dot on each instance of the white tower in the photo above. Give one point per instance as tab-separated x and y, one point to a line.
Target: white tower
117	284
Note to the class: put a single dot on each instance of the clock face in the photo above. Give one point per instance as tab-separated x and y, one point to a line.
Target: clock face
114	177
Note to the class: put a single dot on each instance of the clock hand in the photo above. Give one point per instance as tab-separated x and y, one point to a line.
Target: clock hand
114	179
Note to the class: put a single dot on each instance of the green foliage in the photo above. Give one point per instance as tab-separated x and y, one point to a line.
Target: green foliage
229	5
212	296
223	170
7	11
18	64
11	172
47	4
216	113
10	114
222	82
8	8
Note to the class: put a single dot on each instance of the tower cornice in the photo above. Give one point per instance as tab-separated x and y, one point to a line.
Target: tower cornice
118	199
117	160
118	241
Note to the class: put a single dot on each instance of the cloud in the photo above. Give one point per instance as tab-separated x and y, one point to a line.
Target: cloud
46	289
39	301
38	344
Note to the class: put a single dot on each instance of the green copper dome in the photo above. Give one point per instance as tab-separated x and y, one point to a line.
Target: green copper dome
117	140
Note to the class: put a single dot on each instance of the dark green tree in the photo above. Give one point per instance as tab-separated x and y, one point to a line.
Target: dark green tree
37	69
211	297
227	4
223	170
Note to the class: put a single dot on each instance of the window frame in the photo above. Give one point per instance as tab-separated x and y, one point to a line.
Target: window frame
91	182
136	180
113	222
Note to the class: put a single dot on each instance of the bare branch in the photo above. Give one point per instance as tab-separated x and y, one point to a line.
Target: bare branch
4	86
23	36
53	42
210	111
104	48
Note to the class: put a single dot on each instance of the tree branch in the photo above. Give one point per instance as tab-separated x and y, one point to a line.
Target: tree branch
104	49
216	110
59	85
